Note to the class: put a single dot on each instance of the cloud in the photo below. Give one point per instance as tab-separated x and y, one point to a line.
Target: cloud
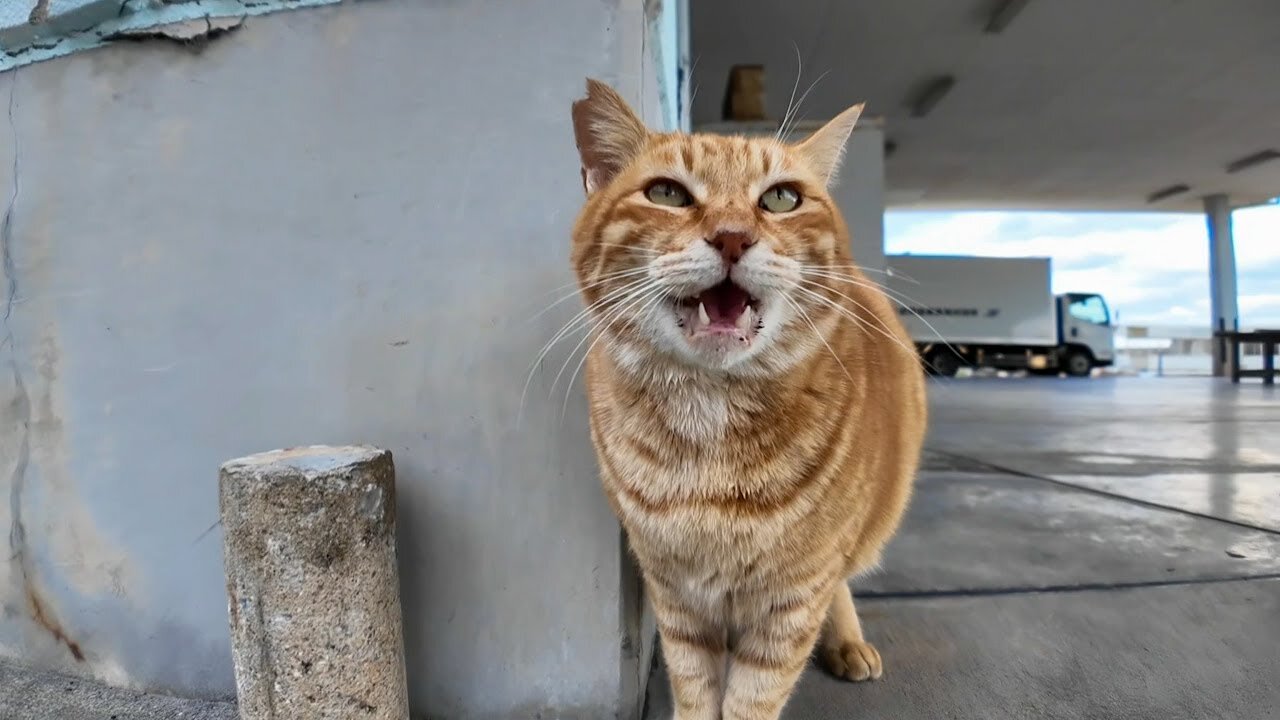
1152	267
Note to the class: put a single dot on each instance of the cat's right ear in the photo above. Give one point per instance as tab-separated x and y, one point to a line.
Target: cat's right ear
608	134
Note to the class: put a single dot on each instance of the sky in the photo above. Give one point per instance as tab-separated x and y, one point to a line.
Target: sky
1153	268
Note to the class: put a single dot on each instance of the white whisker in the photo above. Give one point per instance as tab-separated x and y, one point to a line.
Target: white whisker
578	320
823	340
786	133
633	248
861	322
599	281
887	272
794	87
892	295
624	304
653	300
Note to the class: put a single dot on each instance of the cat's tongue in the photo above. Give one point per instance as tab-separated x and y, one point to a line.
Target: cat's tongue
725	303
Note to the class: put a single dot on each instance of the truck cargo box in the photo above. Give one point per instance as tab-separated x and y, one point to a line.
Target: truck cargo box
974	300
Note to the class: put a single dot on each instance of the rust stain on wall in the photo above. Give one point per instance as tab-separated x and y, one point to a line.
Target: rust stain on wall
56	519
43	617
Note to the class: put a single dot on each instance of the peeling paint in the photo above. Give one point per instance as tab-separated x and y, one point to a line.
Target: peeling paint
45	35
195	34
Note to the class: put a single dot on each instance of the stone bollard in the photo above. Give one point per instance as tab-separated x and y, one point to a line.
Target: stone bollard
313	590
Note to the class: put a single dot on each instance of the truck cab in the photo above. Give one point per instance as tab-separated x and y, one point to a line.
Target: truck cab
1086	337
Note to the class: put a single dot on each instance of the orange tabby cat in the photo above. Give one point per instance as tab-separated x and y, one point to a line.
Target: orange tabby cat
755	405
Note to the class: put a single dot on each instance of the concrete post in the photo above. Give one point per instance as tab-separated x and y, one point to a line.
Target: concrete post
313	590
1222	277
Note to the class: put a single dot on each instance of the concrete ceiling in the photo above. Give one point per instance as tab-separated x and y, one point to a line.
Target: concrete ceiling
1076	104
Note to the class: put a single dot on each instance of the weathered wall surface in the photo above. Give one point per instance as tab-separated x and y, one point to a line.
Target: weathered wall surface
36	30
330	226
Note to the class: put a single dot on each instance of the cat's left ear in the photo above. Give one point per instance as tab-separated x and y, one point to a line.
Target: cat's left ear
608	134
824	149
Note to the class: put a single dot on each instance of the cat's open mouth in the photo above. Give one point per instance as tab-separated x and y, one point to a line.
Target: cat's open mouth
721	310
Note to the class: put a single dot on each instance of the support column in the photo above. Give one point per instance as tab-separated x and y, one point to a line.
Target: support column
859	192
314	592
1222	277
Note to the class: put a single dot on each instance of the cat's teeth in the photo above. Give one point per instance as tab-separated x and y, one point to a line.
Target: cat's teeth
745	319
703	318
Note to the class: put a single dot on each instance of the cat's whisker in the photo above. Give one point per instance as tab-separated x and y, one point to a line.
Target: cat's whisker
599	279
574	323
578	291
633	248
622	306
794	87
786	133
860	322
889	294
609	304
805	315
584	314
693	70
892	295
863	281
608	320
653	300
888	272
881	323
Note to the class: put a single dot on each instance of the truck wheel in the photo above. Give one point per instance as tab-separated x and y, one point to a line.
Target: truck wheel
944	362
1078	363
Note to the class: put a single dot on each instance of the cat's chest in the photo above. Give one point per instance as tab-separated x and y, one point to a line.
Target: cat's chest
694	415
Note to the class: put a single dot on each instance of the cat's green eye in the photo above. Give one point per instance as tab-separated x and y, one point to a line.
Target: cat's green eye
780	199
669	193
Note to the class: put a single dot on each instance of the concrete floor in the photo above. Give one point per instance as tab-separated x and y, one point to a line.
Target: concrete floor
26	695
1077	549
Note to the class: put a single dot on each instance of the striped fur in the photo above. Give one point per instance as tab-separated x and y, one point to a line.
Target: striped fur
753	478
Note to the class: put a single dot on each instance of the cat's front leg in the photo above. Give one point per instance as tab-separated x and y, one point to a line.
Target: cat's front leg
845	652
693	646
769	654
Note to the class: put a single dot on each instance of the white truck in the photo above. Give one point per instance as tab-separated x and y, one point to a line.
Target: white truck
998	313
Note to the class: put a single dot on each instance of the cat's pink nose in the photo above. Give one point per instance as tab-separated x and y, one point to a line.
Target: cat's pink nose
731	245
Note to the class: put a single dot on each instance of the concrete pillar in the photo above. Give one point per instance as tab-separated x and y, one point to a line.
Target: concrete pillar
1222	276
684	90
313	590
860	192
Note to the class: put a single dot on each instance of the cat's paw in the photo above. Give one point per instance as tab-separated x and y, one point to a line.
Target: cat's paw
856	661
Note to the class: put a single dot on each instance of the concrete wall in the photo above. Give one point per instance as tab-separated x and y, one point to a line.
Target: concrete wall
330	226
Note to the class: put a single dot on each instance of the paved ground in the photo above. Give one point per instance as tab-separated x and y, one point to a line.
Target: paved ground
1076	549
1096	549
26	695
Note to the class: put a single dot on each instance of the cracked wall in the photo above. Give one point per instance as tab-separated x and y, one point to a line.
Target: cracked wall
269	244
59	561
